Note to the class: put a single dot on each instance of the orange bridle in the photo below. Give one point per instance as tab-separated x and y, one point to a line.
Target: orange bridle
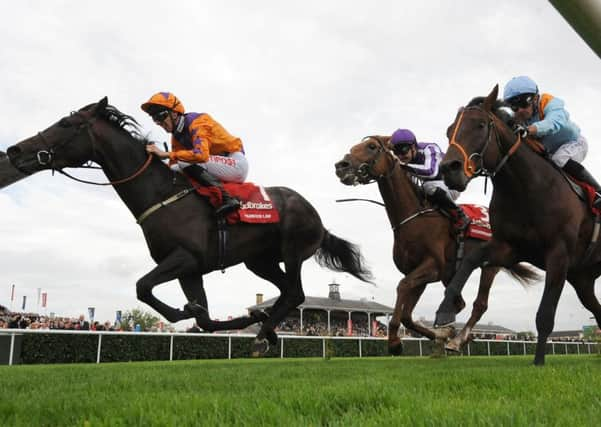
469	166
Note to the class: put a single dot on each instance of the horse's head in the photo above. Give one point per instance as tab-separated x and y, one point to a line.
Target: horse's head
67	143
471	152
366	162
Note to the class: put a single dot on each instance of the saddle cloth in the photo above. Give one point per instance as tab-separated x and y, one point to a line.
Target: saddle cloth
588	196
479	227
255	205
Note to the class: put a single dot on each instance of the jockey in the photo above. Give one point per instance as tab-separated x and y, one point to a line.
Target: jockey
545	118
423	159
200	147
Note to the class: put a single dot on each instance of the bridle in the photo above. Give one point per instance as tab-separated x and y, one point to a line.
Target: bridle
366	175
46	157
470	169
365	171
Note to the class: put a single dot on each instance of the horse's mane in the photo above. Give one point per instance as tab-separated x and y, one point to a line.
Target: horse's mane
122	122
500	109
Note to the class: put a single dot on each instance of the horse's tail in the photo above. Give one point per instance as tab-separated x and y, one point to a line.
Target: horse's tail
339	255
527	276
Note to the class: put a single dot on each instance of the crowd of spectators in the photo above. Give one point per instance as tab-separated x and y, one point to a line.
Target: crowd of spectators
338	327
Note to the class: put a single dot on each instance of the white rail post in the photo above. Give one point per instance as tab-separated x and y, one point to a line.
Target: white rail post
524	348
360	354
323	348
171	349
421	353
553	347
488	347
99	347
508	353
282	348
12	349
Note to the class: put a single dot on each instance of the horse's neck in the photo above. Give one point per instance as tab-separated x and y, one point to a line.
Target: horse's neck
525	170
399	196
121	159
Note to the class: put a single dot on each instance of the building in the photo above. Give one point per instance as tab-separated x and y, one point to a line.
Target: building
332	315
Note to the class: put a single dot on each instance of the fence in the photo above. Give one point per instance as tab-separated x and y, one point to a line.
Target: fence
222	346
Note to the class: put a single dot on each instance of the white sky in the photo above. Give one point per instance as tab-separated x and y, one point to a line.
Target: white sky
300	83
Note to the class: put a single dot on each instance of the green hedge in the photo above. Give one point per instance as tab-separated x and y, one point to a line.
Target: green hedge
76	348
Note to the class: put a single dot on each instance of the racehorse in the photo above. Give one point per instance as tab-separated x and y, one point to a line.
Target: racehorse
535	214
181	231
425	249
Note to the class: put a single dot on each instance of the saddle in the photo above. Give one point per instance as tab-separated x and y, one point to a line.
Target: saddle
256	206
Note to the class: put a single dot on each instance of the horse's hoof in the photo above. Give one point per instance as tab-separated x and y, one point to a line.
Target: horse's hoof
195	310
396	349
444	319
453	346
272	337
260	347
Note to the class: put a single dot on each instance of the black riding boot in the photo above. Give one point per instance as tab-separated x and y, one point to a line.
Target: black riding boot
203	177
442	199
578	171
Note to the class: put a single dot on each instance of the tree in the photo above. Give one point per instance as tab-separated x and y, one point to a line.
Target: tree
137	316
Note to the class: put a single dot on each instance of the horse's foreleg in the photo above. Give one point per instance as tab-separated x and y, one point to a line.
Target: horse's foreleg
480	306
409	290
445	315
178	263
556	266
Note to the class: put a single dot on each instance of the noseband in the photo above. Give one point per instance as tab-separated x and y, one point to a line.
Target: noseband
46	157
469	164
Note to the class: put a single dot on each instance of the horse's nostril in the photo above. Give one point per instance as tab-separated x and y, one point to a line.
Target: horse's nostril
342	164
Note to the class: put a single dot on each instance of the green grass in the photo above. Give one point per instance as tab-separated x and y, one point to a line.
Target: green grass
458	391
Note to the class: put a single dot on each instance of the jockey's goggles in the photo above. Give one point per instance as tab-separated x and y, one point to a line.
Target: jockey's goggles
160	116
401	149
522	101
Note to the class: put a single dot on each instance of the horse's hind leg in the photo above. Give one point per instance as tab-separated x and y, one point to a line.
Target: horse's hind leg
192	286
585	289
480	306
268	269
176	264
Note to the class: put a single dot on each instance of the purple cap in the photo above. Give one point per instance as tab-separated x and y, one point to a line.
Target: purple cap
403	136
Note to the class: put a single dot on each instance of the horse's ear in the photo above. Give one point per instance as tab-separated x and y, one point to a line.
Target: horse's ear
101	106
490	100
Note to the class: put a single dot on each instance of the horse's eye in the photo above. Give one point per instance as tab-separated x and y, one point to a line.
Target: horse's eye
373	146
482	125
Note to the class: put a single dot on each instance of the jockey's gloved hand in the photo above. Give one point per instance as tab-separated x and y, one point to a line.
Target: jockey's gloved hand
521	131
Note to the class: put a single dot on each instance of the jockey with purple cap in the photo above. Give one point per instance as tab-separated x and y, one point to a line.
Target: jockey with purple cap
423	160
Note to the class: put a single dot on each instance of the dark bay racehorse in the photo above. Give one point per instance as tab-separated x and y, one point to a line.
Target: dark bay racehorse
182	236
535	215
425	248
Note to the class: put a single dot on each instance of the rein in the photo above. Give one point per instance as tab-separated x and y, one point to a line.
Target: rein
469	166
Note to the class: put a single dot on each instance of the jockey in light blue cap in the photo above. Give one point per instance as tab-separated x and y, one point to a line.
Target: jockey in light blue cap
543	116
423	160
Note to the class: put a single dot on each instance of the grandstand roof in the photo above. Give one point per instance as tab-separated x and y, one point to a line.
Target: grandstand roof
318	303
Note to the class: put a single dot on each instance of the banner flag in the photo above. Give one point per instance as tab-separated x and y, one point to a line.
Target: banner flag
39	295
24	301
44	299
12	294
349	327
374	327
91	314
118	316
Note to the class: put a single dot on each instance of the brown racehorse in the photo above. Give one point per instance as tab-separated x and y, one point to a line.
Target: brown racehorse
181	231
535	215
424	249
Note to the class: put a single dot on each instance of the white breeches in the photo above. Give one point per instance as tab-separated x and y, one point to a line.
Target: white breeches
431	186
232	168
575	150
